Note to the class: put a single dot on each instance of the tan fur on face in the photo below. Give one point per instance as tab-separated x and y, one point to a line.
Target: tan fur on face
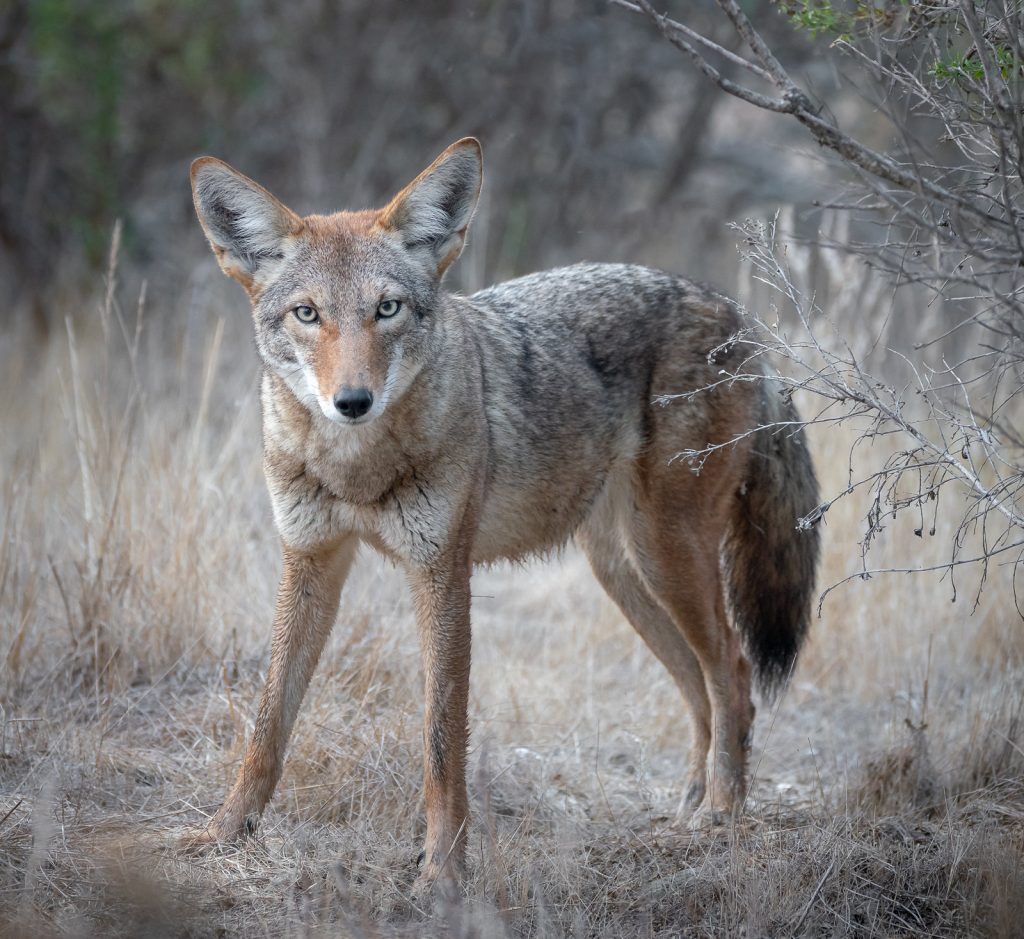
343	225
349	358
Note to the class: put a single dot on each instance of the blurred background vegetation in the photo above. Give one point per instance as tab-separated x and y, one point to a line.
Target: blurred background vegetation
600	141
137	552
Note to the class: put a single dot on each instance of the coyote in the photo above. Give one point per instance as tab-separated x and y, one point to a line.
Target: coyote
448	431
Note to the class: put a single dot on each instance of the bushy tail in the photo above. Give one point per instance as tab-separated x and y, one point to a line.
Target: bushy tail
771	562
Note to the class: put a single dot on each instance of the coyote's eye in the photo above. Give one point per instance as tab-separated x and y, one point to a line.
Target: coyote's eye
388	308
306	314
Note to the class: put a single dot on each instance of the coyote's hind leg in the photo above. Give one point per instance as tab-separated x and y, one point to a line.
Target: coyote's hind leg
620	579
682	566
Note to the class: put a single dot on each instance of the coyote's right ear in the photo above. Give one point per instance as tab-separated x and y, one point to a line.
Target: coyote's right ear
247	227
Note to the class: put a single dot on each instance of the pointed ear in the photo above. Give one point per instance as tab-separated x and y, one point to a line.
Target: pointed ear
432	213
247	227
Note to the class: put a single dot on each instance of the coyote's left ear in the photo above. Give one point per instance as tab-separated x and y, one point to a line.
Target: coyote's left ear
432	213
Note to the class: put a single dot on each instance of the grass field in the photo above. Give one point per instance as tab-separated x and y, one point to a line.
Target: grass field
137	569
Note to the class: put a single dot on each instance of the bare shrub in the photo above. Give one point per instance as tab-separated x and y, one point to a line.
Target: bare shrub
948	203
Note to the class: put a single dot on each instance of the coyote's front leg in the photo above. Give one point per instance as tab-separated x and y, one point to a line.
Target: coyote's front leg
442	604
307	604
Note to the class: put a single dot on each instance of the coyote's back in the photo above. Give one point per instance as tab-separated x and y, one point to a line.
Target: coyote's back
573	361
445	431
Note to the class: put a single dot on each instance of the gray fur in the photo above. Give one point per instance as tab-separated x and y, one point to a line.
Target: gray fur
504	425
572	360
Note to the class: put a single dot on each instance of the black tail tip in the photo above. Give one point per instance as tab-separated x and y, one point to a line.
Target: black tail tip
773	655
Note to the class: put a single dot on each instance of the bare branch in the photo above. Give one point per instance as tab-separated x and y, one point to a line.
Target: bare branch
667	23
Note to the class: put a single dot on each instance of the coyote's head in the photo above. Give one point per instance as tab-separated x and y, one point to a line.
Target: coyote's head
344	304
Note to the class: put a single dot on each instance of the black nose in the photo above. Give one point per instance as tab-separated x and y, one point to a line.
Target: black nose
353	402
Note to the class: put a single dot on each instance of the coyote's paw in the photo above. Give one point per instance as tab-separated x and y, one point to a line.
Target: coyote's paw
716	813
430	892
690	806
706	818
198	840
436	884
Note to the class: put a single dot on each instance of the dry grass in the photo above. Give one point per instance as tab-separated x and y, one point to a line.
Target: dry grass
137	569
